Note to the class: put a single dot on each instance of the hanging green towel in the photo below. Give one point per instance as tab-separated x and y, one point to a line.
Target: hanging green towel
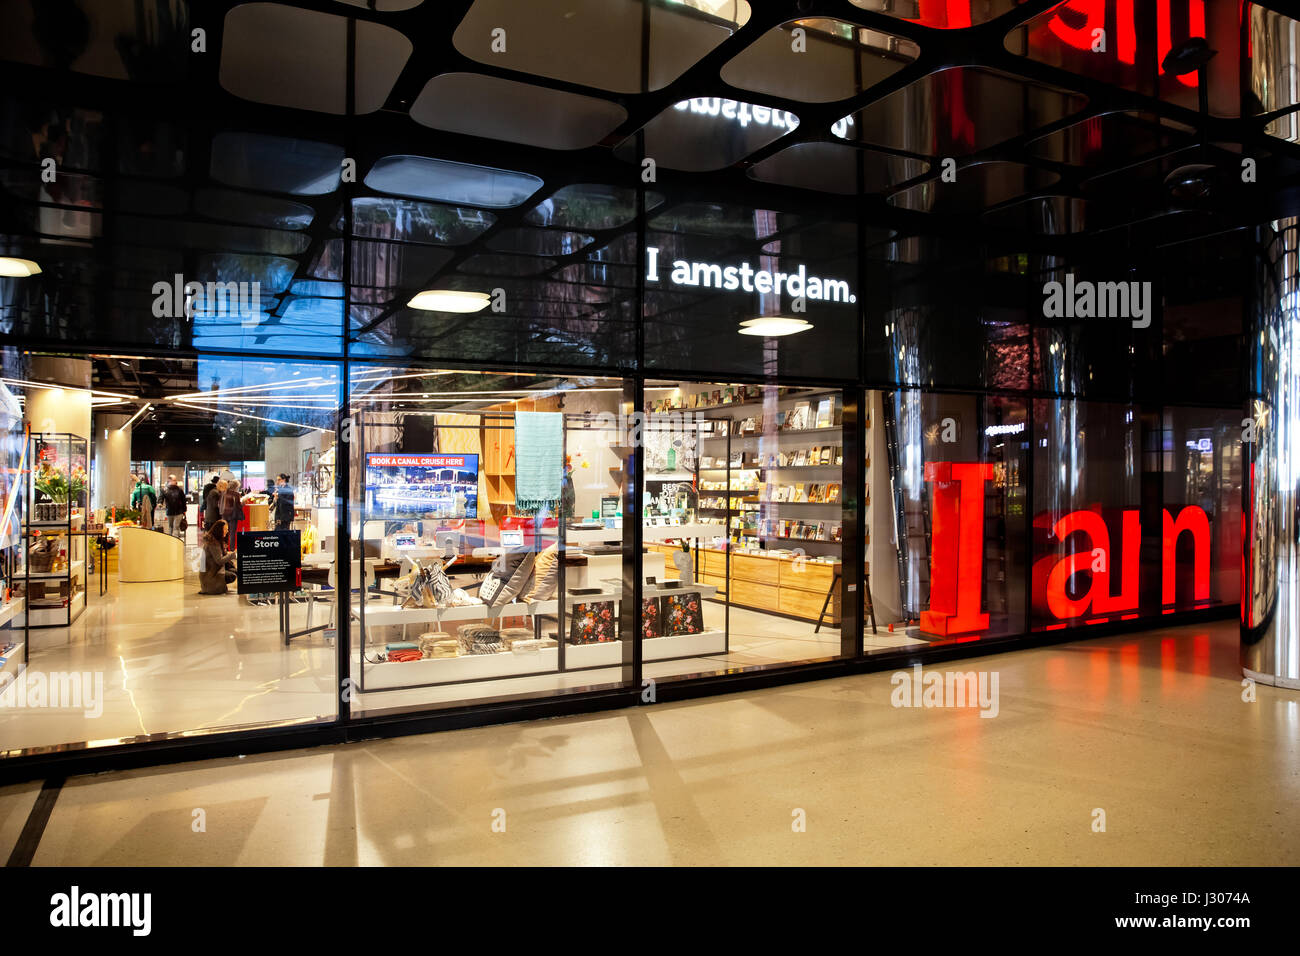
539	458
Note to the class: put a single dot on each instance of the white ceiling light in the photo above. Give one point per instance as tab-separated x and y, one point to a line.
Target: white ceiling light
12	268
772	325
449	300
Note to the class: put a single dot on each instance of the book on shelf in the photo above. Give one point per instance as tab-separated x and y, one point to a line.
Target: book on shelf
800	416
824	412
826	455
833	492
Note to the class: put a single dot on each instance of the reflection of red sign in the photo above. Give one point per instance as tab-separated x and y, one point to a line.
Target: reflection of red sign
1074	23
957	556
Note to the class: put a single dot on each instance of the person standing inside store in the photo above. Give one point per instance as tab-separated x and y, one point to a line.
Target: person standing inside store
212	503
232	511
216	564
143	499
283	504
174	499
203	499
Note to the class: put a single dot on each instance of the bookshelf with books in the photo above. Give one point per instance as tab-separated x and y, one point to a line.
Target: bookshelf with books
780	475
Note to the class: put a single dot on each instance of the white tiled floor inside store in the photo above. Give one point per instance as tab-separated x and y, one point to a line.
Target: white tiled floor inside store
174	660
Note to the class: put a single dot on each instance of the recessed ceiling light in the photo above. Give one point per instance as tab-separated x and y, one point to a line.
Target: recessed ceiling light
12	268
449	300
772	325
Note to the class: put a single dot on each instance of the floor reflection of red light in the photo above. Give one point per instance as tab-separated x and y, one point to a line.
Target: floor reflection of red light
1201	655
1056	672
1168	663
1099	671
1130	672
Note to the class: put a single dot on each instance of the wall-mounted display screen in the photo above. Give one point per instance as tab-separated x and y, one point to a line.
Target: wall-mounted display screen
422	486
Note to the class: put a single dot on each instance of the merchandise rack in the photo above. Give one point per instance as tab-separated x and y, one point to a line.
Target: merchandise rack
73	526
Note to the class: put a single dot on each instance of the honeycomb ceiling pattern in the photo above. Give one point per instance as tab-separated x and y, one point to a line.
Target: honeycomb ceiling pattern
347	153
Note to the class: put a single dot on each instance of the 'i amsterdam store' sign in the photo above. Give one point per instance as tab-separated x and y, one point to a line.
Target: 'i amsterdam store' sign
1089	566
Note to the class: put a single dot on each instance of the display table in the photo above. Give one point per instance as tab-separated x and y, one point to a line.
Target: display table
394	675
147	555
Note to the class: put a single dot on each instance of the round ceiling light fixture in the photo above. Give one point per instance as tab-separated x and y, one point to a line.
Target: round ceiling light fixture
449	300
11	268
774	325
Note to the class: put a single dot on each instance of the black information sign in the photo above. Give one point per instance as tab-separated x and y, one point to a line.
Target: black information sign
269	561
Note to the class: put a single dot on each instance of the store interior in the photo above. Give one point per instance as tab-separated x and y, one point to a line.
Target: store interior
509	489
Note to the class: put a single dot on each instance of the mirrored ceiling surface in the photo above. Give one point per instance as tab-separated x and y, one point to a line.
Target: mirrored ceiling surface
818	60
623	46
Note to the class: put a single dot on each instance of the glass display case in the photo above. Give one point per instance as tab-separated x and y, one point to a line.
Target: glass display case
58	492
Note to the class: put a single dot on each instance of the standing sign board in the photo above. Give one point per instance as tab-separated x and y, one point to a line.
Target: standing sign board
268	561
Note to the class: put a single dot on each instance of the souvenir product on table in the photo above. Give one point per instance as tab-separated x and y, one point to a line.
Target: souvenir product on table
681	613
479	639
512	636
650	618
592	623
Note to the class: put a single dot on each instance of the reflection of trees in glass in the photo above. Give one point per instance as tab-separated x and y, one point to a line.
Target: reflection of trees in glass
409	221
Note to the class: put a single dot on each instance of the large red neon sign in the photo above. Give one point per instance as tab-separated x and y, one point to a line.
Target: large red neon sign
957	557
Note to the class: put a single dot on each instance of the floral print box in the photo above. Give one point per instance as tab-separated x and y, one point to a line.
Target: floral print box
592	623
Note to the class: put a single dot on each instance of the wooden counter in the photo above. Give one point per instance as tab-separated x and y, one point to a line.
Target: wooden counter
765	583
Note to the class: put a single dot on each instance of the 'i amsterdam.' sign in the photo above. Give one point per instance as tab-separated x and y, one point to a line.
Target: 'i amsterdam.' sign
957	557
743	277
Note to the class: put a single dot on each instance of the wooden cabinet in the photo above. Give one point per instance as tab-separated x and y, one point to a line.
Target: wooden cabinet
774	584
754	569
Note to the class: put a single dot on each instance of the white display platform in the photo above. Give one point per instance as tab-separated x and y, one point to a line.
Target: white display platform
58	616
392	675
610	654
387	615
9	611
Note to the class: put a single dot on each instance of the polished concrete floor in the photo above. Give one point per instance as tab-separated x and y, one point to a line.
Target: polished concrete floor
1150	729
173	660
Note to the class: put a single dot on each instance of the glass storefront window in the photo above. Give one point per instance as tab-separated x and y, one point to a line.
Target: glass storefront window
743	526
130	620
487	535
949	529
